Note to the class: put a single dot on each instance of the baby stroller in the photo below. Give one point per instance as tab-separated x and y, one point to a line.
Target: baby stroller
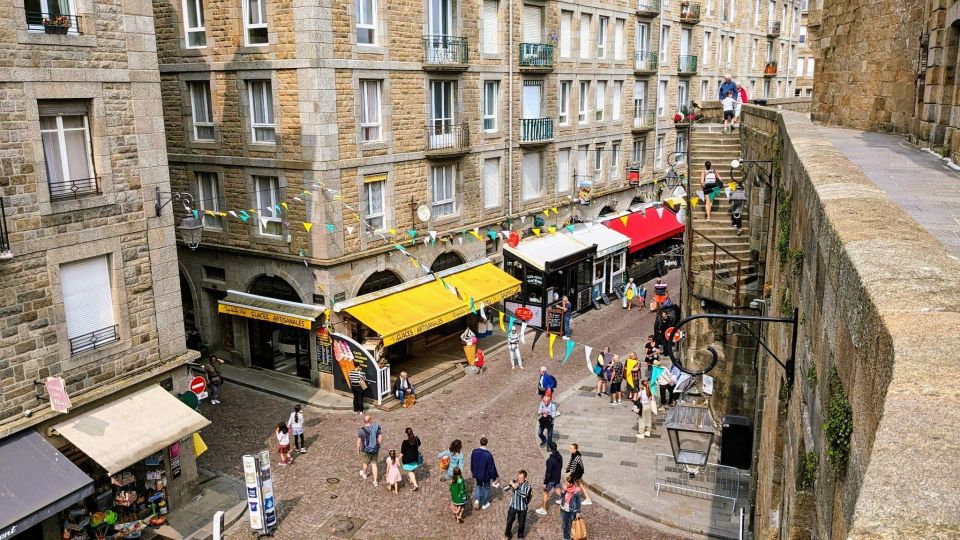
738	200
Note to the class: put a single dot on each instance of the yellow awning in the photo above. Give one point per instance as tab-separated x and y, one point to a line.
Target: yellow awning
409	312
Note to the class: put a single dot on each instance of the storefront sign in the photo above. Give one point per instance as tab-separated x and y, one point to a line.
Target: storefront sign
536	312
442	319
56	389
175	459
253	492
349	354
324	350
266	491
268	316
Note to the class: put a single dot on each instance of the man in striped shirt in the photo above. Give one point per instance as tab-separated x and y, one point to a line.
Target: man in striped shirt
518	505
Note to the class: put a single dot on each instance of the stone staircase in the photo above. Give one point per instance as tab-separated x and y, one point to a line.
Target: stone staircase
721	264
426	382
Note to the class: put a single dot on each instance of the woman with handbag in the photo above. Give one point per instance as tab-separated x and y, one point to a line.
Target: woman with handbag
411	457
570	509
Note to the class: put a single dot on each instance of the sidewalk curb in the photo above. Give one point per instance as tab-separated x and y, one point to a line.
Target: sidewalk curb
284	396
230	518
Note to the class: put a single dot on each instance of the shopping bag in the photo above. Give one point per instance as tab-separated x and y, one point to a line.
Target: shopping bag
653	305
578	531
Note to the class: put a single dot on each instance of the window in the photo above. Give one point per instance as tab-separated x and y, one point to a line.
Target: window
202	111
601	99
193	27
566	18
809	67
443	181
803	34
491	182
598	159
662	98
639	102
658	152
255	22
799	67
618	39
491	39
37	10
769	52
209	193
491	95
370	110
729	10
704	89
706	48
643	40
680	147
796	17
796	93
563	170
766	88
804	5
683	94
374	195
602	37
268	205
582	104
779	89
564	106
366	22
617	98
65	133
730	49
530	169
709	8
639	152
753	53
614	158
664	43
582	156
261	112
756	13
783	15
808	92
585	35
88	303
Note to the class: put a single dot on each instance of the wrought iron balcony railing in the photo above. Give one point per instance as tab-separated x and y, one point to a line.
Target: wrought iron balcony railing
687	64
92	340
689	12
53	23
445	50
645	119
536	129
448	137
536	55
68	189
774	29
648	8
646	62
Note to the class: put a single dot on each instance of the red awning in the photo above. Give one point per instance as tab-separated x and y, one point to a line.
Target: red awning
647	229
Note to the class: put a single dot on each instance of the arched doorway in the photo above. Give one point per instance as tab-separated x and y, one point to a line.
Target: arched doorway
379	281
276	346
447	260
194	340
636	201
606	210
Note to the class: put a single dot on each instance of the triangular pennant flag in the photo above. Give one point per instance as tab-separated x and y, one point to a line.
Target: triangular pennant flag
700	194
393	232
505	234
546	213
277	207
523	219
732	186
510	324
586	354
475	234
536	335
536	232
624	219
307	225
426	241
209	213
502	329
553	338
232	213
694	201
460	239
196	214
350	230
473	308
264	221
569	228
492	234
476	231
523	332
415	264
412	233
330	227
433	234
483	311
244	216
554	210
552	229
659	211
569	350
284	205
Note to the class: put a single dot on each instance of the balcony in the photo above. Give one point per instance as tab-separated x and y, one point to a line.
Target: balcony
445	53
686	65
97	338
774	30
534	131
644	121
53	23
689	13
72	189
536	57
648	8
5	252
646	63
446	139
770	70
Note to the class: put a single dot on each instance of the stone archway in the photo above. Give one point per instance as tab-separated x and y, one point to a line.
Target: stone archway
378	281
638	200
191	327
447	259
606	210
273	287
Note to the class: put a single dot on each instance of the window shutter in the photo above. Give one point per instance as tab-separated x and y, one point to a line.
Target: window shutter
532	22
531	175
584	35
563	170
565	33
618	39
87	296
490	26
491	183
65	107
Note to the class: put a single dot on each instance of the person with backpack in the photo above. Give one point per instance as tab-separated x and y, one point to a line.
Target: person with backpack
547	384
710	181
522	492
450	459
484	471
546	413
458	494
296	427
551	478
369	438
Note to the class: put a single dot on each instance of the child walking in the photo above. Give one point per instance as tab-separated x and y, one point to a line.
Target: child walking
393	477
458	494
296	426
283	443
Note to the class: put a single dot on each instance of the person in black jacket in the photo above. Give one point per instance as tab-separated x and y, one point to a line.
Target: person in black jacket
575	471
551	478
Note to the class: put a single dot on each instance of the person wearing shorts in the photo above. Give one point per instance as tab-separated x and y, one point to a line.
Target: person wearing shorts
710	181
551	478
616	380
369	438
729	105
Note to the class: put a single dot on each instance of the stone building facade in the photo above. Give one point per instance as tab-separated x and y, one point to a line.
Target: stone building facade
805	60
88	289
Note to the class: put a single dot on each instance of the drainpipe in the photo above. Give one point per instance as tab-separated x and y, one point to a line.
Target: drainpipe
510	115
656	90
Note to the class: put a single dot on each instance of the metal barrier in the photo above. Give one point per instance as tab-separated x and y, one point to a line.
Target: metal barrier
711	481
383	383
92	340
687	64
445	136
445	50
78	187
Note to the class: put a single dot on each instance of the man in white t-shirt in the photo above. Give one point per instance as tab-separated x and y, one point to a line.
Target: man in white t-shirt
728	105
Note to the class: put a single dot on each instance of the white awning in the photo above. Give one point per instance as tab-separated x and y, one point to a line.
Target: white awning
537	252
607	240
131	428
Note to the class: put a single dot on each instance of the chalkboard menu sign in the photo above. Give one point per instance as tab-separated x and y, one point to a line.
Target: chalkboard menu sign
555	320
324	350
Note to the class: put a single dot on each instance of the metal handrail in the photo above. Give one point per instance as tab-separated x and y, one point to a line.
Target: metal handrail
713	270
92	340
66	189
687	63
645	119
648	6
774	29
646	61
445	50
689	12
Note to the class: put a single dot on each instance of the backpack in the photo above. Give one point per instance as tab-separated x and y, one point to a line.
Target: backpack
444	463
370	439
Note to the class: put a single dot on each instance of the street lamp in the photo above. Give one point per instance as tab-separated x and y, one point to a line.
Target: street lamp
192	230
747	165
691	432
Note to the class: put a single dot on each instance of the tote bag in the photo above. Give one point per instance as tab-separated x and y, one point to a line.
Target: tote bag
579	529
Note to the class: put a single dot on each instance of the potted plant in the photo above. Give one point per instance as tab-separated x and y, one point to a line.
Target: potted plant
677	118
770	68
59	24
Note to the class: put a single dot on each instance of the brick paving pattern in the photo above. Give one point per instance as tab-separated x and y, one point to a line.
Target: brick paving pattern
323	485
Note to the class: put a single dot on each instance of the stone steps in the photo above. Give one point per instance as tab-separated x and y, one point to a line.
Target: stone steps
437	378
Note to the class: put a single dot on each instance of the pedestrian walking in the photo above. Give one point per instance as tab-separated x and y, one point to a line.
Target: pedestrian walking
404	390
567	308
616	380
296	427
450	459
575	471
518	505
458	494
631	373
484	471
642	295
546	384
369	439
600	370
283	443
513	346
660	293
710	181
629	293
392	476
551	477
411	457
666	384
729	104
738	199
741	96
726	86
569	506
546	413
646	409
214	378
358	384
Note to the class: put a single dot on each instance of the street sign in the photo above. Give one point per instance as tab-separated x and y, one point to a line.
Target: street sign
198	385
56	389
218	525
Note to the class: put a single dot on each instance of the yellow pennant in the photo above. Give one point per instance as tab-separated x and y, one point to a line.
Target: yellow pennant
732	186
624	219
284	205
307	225
553	337
502	327
199	447
694	201
552	229
554	210
393	232
536	232
546	213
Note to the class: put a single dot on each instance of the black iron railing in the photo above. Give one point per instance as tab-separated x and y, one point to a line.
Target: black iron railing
536	129
4	236
687	64
447	136
646	61
774	29
69	189
689	12
537	55
54	23
92	340
445	50
648	6
646	119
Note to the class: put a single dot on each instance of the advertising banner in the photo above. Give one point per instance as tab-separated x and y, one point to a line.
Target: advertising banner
266	492
250	479
349	354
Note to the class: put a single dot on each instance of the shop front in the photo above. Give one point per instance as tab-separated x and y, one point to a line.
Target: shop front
548	268
610	264
655	234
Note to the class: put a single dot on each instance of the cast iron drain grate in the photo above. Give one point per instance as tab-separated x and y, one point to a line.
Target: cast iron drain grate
333	480
343	526
447	391
333	497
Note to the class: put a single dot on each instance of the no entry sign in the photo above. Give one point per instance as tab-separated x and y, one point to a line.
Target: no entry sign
198	385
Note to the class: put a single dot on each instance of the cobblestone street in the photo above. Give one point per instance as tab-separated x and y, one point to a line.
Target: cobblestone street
323	485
